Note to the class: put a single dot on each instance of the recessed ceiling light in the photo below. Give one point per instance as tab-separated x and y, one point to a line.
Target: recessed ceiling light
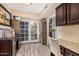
28	4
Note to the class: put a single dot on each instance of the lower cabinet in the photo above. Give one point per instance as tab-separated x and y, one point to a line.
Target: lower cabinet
17	45
5	47
67	52
62	50
51	54
70	53
17	42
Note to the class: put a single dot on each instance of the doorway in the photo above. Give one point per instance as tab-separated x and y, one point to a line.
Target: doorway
29	31
44	31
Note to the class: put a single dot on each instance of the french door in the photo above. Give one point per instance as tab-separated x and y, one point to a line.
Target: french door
29	31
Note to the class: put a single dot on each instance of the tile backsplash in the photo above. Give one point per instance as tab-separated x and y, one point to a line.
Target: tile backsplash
69	33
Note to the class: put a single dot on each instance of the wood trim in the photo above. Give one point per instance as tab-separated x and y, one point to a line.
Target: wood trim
4	8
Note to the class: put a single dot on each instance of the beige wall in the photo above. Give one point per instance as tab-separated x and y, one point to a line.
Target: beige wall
15	25
69	37
53	42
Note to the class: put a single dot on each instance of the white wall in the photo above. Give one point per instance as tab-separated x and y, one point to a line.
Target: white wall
49	11
53	42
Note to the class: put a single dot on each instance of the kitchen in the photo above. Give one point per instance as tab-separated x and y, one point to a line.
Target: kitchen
55	27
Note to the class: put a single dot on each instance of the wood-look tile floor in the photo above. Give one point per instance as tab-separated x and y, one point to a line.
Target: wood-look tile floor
33	49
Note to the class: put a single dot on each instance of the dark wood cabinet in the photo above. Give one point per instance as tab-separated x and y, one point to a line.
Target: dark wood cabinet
61	15
74	13
67	13
66	52
62	49
70	53
5	47
51	54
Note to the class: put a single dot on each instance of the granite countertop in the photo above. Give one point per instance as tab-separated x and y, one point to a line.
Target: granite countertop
73	46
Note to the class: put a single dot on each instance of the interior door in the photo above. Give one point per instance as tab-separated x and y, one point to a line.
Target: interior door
44	32
34	31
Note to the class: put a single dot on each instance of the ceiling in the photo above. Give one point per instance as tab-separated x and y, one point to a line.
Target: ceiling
34	11
35	8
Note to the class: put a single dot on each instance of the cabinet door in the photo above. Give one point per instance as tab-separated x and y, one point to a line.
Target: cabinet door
74	13
62	50
5	48
61	15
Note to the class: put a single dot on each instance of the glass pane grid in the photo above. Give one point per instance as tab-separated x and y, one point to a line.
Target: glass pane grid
24	31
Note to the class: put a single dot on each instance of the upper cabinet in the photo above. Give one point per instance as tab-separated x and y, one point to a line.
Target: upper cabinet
61	15
67	13
74	13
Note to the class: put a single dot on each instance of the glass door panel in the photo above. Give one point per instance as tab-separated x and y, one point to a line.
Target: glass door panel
33	30
24	31
29	31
